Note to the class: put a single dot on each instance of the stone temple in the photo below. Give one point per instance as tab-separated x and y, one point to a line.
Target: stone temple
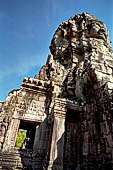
65	112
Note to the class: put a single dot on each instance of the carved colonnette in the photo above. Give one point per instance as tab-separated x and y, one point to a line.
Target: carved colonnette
58	129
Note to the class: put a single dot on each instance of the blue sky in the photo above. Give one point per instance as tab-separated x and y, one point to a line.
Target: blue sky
26	30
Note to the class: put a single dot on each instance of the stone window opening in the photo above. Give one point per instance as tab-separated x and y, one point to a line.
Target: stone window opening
26	135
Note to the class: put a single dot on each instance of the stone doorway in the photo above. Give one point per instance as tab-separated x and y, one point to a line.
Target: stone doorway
26	135
71	140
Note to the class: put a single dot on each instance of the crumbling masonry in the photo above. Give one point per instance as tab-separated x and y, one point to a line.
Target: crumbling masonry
65	110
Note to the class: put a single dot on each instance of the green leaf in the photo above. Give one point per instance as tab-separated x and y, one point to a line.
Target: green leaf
20	138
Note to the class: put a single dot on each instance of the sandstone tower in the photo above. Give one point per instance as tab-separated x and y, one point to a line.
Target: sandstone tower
66	110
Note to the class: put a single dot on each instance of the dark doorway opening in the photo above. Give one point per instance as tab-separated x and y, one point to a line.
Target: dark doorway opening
72	116
26	135
71	140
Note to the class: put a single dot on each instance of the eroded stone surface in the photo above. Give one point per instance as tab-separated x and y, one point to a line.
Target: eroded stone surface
69	101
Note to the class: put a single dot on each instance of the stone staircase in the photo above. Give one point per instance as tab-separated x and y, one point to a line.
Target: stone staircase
16	160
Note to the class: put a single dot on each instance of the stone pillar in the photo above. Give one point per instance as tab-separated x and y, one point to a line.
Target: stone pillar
57	141
11	135
40	145
3	129
36	138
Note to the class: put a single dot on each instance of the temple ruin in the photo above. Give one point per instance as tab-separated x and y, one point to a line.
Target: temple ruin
64	115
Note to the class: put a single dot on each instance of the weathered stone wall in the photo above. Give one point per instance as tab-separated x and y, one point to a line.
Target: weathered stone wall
22	105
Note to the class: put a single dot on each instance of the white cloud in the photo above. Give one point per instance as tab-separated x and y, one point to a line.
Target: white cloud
23	66
28	63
